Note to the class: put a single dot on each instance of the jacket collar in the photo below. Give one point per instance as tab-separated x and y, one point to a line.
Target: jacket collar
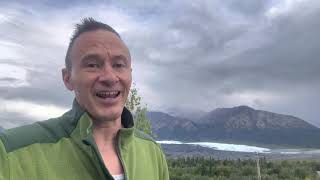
84	122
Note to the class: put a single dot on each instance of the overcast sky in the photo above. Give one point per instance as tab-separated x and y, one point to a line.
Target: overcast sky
188	56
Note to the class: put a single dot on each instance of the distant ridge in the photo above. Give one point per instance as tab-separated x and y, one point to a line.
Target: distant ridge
244	117
241	124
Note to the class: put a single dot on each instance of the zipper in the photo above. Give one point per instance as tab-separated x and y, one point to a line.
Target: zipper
100	159
120	157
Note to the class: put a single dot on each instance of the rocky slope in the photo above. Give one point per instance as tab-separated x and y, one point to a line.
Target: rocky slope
240	124
244	117
165	126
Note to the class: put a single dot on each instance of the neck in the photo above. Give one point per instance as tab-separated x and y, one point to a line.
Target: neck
105	133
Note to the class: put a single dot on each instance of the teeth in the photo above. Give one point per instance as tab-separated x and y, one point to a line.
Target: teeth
107	94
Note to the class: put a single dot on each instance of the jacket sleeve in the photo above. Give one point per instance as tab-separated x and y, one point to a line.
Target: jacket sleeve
165	171
4	164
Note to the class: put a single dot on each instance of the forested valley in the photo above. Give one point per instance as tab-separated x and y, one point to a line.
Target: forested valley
210	169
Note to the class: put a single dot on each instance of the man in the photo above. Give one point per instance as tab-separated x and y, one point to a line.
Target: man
96	138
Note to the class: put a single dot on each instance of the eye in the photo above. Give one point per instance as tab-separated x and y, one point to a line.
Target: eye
91	61
119	65
93	65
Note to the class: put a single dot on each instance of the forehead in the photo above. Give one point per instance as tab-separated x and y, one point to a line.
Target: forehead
99	41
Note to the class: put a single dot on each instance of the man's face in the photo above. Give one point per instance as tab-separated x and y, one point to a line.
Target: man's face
100	75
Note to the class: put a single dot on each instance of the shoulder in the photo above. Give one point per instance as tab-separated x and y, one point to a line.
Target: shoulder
145	137
49	131
142	135
151	148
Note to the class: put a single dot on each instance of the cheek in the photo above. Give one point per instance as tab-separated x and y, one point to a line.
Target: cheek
129	83
84	84
128	80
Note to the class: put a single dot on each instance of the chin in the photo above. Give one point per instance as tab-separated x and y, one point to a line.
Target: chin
109	114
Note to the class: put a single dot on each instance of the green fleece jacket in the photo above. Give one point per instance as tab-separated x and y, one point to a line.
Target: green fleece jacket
64	148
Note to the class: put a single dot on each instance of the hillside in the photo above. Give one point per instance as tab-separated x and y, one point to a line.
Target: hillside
240	124
244	117
167	126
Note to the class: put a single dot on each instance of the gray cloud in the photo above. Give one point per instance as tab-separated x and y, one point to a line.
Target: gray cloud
9	120
202	57
186	55
248	7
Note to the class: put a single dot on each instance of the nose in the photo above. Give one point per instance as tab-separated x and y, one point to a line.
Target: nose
108	76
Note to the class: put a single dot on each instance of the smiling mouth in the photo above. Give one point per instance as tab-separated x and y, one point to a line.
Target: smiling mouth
108	94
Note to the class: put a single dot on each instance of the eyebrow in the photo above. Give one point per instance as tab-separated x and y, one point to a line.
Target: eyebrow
121	57
90	58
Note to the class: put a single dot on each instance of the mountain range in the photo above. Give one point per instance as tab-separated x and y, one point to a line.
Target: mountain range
241	124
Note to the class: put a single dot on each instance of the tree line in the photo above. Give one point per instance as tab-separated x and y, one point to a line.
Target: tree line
197	168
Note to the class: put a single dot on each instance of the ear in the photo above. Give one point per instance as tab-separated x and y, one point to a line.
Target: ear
66	76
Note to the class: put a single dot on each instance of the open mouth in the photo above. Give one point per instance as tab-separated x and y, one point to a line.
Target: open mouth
108	94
